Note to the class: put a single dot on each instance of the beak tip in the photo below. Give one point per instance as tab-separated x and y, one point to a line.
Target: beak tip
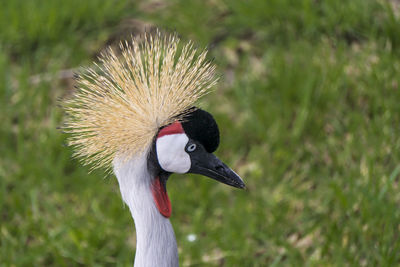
239	184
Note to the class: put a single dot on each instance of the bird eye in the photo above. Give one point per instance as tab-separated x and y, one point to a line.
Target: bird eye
191	148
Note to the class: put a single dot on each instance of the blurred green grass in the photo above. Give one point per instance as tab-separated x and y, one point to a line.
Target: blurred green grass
308	107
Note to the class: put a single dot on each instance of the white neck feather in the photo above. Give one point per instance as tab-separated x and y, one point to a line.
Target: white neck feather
156	244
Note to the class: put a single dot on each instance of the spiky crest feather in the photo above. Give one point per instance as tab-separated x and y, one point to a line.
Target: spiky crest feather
121	103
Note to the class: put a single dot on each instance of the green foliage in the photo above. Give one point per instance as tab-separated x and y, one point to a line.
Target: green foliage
308	107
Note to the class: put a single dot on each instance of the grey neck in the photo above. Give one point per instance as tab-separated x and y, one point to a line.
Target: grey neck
156	244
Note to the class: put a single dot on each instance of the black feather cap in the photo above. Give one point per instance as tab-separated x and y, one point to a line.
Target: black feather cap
201	126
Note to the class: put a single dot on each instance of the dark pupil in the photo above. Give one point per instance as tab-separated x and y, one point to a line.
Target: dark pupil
192	147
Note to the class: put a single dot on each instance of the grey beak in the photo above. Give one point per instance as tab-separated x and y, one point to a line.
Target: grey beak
209	165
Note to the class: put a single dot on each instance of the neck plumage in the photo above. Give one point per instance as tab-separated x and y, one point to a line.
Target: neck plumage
156	244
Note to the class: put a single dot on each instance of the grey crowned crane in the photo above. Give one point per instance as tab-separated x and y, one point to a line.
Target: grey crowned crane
134	114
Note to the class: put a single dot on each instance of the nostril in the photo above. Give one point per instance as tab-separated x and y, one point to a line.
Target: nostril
219	168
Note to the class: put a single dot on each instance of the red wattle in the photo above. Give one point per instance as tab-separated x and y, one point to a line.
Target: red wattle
161	198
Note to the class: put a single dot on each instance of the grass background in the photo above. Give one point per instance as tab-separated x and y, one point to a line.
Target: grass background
309	112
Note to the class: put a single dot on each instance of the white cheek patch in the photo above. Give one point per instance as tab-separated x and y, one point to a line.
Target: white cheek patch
171	153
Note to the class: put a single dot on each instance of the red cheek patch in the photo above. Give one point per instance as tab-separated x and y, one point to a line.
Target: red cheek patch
174	128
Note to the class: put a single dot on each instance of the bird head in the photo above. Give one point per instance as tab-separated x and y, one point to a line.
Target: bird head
188	146
139	101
